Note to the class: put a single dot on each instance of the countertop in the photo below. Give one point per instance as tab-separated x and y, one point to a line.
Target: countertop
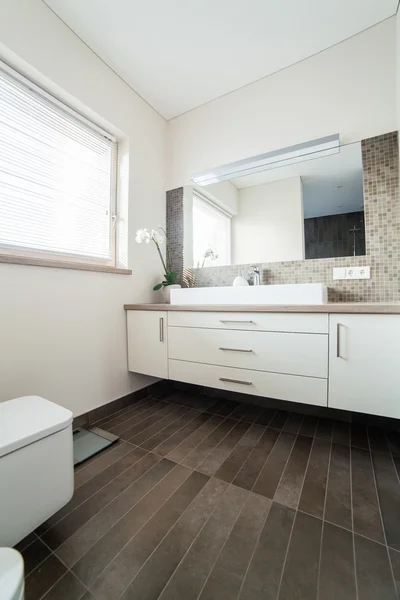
334	307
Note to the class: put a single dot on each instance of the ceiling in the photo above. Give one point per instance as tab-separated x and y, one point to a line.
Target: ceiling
331	184
179	54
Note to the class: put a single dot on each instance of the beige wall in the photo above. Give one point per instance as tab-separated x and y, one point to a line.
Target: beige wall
63	333
269	225
348	89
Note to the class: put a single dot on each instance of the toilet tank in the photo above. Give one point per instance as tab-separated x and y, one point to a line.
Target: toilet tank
36	464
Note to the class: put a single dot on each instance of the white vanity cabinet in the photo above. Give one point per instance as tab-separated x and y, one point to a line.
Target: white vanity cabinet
148	342
364	363
340	359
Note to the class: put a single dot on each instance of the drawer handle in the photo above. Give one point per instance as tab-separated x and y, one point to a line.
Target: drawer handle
338	326
161	329
235	381
227	321
235	350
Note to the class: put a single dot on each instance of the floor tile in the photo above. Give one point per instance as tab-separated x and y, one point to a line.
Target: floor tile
197	437
34	554
127	473
93	485
309	425
119	574
366	512
279	419
293	423
312	500
324	429
214	460
172	549
395	560
271	473
66	588
252	413
265	417
290	486
202	450
141	416
341	433
176	425
111	422
300	575
359	436
26	541
43	578
252	466
338	493
107	547
377	440
89	534
264	574
374	576
337	575
100	463
156	417
168	445
239	454
159	426
389	497
227	575
393	438
239	411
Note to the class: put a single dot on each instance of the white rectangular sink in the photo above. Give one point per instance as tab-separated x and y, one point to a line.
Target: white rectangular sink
296	293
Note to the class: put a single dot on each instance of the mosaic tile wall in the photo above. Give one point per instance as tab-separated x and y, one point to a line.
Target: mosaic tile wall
382	232
174	215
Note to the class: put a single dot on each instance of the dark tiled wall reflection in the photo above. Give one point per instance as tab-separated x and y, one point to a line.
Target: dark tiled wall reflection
330	236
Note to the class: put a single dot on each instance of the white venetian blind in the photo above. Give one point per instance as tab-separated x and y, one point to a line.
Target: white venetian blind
57	177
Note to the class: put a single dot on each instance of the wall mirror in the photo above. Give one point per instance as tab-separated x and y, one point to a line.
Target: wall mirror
300	203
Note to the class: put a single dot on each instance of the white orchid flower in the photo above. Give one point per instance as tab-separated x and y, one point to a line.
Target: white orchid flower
156	237
143	235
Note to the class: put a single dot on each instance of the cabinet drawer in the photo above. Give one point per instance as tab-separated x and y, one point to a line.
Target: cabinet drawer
291	353
251	321
306	390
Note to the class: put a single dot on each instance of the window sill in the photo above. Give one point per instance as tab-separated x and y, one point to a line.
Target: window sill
57	264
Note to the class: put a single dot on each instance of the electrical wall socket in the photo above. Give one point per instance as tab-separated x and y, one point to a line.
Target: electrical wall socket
358	273
352	273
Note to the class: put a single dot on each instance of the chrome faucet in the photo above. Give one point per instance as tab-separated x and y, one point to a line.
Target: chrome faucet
255	272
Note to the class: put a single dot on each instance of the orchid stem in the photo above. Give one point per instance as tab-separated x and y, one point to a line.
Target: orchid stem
161	257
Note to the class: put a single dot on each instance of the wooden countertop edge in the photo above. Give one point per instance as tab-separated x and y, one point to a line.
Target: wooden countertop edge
348	308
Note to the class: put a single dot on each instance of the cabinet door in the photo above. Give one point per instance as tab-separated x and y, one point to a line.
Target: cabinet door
147	342
364	364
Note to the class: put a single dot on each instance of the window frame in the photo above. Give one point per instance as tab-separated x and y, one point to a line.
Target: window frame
19	255
211	205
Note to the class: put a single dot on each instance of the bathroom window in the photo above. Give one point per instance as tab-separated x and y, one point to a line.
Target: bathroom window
211	234
57	179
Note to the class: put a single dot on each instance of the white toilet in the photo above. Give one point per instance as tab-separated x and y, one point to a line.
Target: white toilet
11	575
36	464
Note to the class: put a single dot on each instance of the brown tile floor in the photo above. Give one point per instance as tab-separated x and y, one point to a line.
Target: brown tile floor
211	499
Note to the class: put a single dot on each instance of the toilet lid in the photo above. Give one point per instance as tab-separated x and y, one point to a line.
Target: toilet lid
11	573
28	419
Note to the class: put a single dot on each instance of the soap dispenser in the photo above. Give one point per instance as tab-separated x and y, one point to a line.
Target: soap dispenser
239	280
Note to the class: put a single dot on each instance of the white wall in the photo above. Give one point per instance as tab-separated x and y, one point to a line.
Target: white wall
269	225
62	332
398	69
223	193
348	89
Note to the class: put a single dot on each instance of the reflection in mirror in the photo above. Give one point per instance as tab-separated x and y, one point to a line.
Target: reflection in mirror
312	207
